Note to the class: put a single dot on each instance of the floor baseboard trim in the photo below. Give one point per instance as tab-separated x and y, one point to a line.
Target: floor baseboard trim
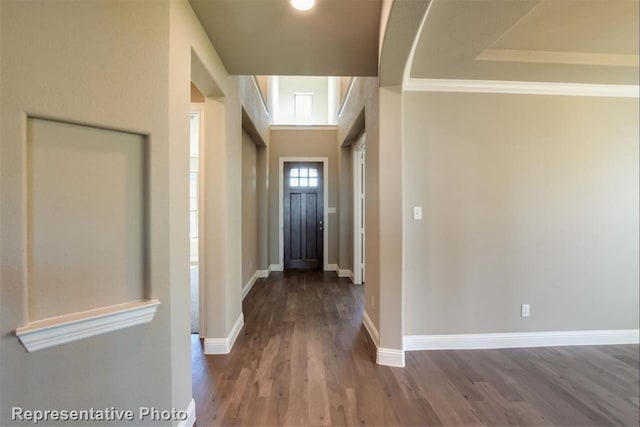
371	329
345	273
276	267
520	339
332	267
191	415
390	357
263	274
224	345
247	287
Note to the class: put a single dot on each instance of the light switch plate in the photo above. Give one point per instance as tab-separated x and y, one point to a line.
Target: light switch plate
417	212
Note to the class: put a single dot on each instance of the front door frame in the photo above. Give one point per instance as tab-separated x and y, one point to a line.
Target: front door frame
325	231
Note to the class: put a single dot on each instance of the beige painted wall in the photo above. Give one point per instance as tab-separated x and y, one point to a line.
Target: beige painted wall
303	143
85	82
249	209
526	199
363	100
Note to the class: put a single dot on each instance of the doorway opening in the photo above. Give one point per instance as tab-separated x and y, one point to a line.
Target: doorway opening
195	138
359	150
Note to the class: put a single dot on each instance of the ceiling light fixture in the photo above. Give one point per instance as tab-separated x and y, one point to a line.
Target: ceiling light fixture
302	4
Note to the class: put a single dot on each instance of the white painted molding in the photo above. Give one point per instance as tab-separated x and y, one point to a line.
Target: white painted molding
384	356
263	102
520	339
247	287
59	330
390	357
276	267
224	345
347	95
303	127
515	87
371	329
345	273
191	415
263	274
331	267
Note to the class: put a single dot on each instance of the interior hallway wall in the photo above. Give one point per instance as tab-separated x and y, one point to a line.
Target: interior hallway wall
361	112
526	199
85	83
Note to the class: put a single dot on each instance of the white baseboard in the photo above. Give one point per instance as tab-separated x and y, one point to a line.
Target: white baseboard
263	274
247	287
276	267
384	356
224	345
191	415
345	273
332	267
390	357
520	339
371	328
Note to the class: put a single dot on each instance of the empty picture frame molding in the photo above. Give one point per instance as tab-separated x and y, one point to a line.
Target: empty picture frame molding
87	232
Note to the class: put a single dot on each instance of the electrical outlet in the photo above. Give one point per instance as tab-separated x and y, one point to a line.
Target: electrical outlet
524	310
373	302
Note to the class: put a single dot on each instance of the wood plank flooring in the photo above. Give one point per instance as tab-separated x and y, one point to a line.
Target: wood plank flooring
304	359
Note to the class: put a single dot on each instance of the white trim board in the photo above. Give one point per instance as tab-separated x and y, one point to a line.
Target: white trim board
55	331
224	345
325	190
263	274
371	328
384	356
247	287
191	415
520	339
275	267
345	273
303	127
516	87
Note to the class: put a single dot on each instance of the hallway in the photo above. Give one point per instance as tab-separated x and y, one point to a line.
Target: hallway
303	358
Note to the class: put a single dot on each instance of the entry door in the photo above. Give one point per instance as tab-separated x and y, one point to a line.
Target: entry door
303	215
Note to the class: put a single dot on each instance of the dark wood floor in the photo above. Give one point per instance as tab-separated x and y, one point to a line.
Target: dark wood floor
303	358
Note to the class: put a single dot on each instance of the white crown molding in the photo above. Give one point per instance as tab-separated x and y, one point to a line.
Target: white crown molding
526	88
303	127
224	345
247	287
55	331
390	357
520	339
191	415
558	57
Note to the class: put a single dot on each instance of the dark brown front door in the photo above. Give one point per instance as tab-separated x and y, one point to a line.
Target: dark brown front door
303	215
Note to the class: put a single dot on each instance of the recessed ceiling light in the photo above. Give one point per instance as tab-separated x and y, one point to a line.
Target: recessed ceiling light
302	4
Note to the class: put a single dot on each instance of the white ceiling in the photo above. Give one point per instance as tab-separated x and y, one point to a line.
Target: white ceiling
575	41
269	37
